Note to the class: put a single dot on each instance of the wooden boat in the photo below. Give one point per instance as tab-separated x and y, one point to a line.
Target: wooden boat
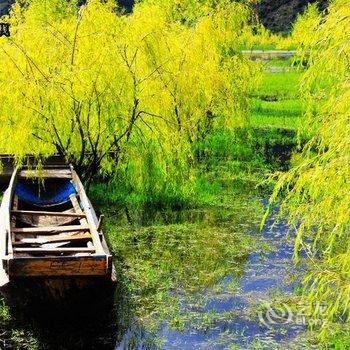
50	237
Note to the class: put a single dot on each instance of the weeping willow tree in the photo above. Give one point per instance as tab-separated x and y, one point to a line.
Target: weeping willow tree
317	197
123	94
300	37
303	28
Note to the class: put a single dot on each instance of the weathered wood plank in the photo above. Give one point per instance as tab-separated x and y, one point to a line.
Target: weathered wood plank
46	173
49	213
89	216
269	54
111	269
3	233
82	221
53	250
44	220
78	210
58	266
4	279
52	239
50	229
8	203
55	245
45	237
13	218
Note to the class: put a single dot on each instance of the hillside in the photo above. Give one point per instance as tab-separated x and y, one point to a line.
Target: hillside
279	15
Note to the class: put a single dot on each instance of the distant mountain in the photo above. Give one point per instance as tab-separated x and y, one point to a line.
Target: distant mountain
279	15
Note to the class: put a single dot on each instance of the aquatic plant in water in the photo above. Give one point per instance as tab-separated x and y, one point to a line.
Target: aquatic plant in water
316	190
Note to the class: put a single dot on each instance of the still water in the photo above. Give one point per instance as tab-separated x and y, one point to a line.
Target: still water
232	311
199	278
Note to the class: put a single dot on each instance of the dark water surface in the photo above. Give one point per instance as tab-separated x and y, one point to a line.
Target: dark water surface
188	279
225	315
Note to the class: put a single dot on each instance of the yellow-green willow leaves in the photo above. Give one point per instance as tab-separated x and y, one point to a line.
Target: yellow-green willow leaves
302	35
303	32
115	92
317	199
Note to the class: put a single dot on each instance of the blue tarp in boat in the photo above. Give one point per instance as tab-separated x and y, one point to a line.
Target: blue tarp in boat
31	194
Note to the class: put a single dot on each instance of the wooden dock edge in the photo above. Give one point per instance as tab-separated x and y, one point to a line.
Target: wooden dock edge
271	54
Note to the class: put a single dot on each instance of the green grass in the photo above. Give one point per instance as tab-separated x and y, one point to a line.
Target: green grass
279	114
338	341
13	336
277	103
283	121
280	85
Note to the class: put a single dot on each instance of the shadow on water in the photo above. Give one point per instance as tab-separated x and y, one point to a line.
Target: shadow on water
83	323
188	279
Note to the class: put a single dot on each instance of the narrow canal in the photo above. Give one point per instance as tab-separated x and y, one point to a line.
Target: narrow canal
208	278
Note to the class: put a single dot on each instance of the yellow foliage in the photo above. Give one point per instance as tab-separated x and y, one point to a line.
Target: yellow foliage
318	198
110	91
301	36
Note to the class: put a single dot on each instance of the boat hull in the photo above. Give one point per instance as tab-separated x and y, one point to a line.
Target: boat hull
59	295
59	266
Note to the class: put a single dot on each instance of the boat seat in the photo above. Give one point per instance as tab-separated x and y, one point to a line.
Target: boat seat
45	218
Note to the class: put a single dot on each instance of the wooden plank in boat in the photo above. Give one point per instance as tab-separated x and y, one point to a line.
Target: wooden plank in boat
13	218
95	242
50	229
93	218
45	218
83	220
46	173
93	265
53	250
55	245
89	216
52	239
7	210
49	213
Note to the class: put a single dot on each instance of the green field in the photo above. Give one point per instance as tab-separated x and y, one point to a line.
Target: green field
277	103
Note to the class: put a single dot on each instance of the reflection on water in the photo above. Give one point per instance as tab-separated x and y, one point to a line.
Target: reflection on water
224	315
188	279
